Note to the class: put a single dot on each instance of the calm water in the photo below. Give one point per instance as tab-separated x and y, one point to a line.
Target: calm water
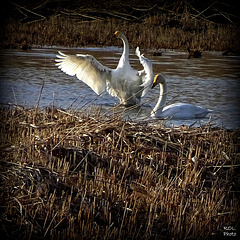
212	81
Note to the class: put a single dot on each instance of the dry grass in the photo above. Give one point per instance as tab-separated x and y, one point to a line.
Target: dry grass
208	25
158	31
68	175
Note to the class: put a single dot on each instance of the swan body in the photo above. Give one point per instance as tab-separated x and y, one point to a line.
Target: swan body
182	111
176	110
124	82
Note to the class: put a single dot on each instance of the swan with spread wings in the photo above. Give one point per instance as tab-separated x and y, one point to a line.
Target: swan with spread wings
124	82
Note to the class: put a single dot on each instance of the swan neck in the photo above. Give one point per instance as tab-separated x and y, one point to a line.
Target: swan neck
162	97
125	55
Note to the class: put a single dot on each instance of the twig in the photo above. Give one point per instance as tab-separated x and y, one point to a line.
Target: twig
201	13
85	158
50	224
144	9
37	104
125	209
27	10
63	138
221	13
79	14
14	95
39	96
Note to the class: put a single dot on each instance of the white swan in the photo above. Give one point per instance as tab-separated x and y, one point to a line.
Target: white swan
124	82
176	110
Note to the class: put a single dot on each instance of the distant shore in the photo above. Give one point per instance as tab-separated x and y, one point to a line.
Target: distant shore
149	35
149	27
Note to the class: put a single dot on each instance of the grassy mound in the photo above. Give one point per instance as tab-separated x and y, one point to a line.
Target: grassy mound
69	175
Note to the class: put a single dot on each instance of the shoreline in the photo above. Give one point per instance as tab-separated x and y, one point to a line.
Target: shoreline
150	51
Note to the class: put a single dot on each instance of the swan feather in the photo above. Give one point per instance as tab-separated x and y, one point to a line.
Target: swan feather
146	74
87	69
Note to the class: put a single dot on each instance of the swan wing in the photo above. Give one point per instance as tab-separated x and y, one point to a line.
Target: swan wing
146	73
87	69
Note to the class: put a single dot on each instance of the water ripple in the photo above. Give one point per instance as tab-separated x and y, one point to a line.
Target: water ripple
212	81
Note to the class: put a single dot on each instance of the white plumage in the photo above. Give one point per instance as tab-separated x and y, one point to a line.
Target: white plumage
124	82
176	110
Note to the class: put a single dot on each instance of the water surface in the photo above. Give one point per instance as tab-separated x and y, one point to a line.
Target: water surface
212	81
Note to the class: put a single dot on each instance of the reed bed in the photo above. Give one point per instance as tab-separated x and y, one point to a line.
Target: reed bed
72	175
156	24
155	32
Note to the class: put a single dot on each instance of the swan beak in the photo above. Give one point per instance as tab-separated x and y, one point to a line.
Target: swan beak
116	34
153	86
155	82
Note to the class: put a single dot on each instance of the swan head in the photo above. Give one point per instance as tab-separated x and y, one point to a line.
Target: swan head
158	79
118	34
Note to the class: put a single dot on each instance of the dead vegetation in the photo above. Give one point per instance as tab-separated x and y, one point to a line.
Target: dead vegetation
148	24
69	175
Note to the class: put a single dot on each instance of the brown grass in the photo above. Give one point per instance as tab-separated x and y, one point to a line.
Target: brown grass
69	175
158	31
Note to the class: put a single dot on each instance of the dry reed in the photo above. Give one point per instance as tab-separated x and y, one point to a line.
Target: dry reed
69	175
154	32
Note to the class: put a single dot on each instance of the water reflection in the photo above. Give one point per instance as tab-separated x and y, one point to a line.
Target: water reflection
212	81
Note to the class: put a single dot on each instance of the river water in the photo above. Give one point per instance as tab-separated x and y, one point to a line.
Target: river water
212	81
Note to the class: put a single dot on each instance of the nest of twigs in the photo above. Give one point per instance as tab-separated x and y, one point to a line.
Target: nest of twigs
69	175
